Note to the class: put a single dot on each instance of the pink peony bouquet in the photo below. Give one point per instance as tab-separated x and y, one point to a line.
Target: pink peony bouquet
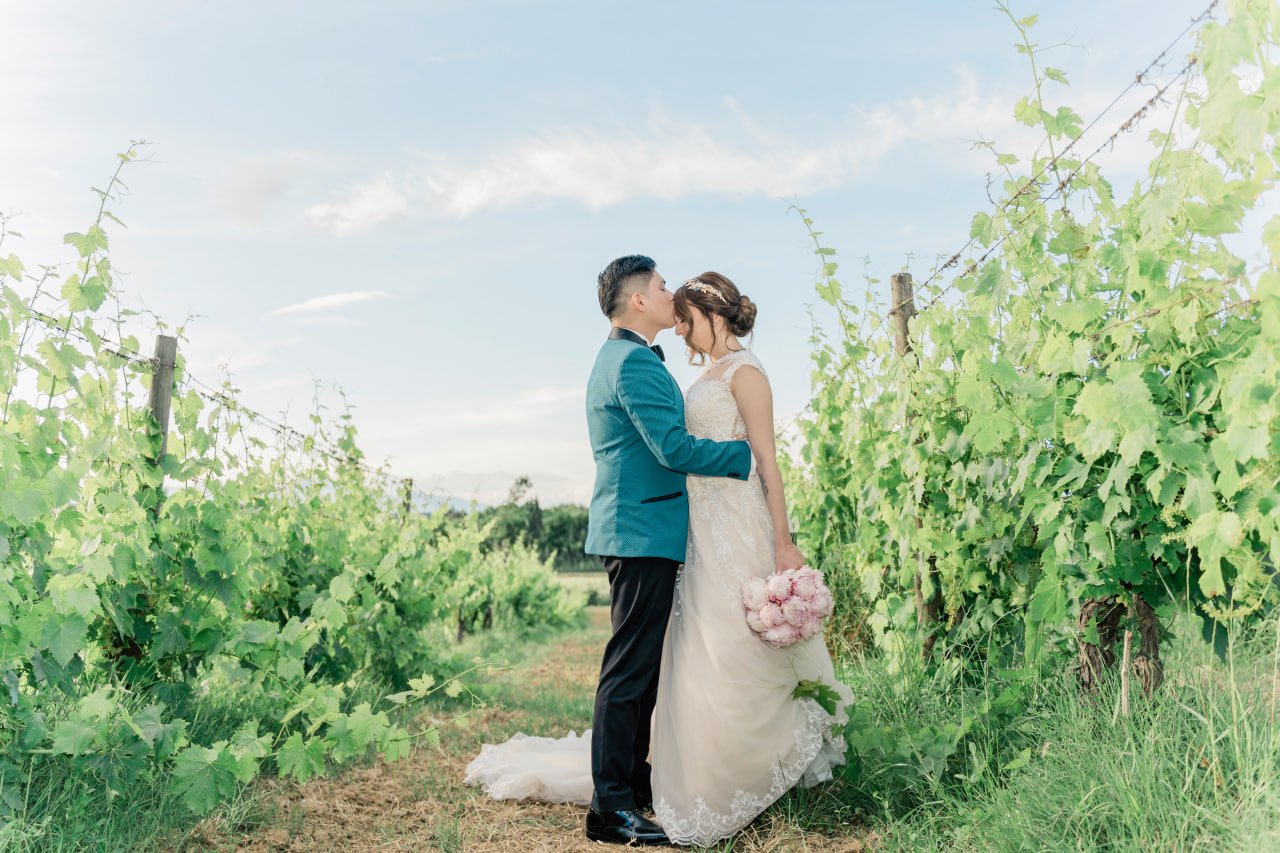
787	607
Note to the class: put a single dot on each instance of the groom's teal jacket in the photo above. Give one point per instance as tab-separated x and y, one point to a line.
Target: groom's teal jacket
635	417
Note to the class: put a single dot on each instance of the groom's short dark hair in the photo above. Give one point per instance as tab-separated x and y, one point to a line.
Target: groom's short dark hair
619	279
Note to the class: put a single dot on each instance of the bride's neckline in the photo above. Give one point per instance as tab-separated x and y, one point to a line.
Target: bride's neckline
725	357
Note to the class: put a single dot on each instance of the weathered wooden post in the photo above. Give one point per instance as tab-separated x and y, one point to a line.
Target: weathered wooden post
902	310
161	395
408	495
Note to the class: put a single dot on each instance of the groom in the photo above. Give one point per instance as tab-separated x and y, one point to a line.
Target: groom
638	526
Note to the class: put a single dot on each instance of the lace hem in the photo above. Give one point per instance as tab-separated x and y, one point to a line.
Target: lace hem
704	826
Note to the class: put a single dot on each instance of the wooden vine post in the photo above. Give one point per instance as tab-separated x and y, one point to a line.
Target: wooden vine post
903	308
408	496
161	396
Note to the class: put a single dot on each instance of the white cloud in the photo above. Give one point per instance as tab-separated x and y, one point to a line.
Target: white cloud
324	303
368	205
671	159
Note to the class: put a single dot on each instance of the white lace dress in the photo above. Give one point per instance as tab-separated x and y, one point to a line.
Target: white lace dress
728	738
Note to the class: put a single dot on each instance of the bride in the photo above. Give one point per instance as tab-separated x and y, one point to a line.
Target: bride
728	738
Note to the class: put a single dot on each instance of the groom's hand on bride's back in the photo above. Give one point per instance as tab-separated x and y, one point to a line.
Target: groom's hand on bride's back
650	398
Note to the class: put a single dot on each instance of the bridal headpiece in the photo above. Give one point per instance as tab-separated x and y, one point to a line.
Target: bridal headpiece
703	287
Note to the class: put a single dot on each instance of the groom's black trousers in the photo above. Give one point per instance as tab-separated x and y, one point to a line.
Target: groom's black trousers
640	589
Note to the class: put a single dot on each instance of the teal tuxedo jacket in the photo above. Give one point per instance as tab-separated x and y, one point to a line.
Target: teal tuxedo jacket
635	417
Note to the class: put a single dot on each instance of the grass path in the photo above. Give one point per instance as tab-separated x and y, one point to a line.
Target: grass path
421	804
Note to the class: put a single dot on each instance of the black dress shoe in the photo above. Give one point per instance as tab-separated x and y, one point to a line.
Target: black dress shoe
626	826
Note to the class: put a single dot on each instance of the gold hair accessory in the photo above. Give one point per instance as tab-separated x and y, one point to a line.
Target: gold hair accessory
703	287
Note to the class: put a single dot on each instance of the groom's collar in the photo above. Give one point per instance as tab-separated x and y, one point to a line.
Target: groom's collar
620	334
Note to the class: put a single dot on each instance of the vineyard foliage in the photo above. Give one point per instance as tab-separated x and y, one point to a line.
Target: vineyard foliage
1091	406
285	573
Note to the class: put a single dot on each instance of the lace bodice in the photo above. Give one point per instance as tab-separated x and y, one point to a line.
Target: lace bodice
709	408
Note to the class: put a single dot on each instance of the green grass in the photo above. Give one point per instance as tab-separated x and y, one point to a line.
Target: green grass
62	809
67	809
1197	767
939	759
594	583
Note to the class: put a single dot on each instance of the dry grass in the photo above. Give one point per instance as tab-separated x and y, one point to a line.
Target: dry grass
421	804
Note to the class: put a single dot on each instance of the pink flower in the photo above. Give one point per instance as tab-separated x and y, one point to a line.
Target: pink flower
771	616
783	635
805	587
796	611
787	607
779	587
755	594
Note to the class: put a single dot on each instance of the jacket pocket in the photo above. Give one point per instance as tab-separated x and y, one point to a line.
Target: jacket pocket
669	497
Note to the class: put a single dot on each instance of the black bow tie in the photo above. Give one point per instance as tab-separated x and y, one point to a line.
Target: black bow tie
627	335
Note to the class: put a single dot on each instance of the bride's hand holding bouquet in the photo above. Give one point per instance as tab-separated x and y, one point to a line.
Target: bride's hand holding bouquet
787	556
788	606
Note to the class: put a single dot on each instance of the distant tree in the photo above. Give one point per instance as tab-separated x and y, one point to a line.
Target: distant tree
517	520
559	530
564	531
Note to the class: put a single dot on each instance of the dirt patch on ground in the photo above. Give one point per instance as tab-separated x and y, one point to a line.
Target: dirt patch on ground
420	803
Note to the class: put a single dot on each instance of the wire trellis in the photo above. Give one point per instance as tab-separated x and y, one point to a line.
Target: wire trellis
953	258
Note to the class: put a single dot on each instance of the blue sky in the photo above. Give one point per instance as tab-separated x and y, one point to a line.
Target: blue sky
412	200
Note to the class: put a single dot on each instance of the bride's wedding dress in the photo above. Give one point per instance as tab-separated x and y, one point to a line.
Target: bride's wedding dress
728	737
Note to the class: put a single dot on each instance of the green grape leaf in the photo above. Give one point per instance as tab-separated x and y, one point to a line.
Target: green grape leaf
64	636
11	266
341	588
247	747
1049	601
397	744
74	736
93	240
300	759
1027	112
1247	442
981	228
365	726
73	594
170	637
204	776
824	694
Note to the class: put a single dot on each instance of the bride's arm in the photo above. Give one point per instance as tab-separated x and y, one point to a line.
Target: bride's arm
755	403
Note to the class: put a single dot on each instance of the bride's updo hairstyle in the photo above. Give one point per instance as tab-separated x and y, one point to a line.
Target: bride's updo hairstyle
714	294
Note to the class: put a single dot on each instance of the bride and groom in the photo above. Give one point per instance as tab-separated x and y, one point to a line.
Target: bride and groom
694	716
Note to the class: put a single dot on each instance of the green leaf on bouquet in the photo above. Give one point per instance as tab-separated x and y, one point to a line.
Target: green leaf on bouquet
824	694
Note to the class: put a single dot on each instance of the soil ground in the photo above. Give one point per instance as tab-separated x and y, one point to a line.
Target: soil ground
421	804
